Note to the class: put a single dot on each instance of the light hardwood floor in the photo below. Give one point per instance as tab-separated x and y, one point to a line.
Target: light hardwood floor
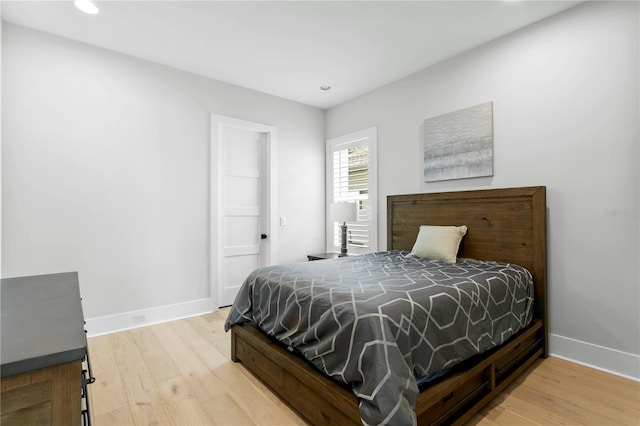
179	373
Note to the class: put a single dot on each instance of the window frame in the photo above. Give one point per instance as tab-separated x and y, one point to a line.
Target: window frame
370	138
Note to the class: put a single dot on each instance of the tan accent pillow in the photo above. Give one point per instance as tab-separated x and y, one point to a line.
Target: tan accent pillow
438	242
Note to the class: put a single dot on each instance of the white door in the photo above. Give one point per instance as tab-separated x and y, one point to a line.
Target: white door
242	239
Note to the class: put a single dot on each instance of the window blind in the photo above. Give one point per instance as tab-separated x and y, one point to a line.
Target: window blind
351	174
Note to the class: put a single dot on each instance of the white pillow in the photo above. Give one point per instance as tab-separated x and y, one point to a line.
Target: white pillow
438	242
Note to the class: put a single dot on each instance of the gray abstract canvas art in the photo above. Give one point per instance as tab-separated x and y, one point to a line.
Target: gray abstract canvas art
459	144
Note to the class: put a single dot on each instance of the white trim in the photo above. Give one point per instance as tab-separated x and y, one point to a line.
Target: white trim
141	318
215	194
599	357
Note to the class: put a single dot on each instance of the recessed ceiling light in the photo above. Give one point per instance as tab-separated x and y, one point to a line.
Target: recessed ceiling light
325	87
87	7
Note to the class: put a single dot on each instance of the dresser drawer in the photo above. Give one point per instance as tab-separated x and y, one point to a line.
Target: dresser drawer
517	353
44	396
473	388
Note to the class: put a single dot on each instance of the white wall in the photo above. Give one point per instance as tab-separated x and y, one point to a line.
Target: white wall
106	170
565	94
0	140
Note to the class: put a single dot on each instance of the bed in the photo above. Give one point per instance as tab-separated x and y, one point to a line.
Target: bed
505	225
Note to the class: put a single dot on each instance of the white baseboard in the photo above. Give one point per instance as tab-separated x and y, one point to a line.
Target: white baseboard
599	357
134	319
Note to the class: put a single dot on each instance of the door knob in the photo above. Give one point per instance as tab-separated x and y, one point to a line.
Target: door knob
263	236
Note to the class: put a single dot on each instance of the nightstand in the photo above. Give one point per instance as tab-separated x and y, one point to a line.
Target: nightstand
323	256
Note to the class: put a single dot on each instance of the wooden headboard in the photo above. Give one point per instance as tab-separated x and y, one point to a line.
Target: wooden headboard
507	225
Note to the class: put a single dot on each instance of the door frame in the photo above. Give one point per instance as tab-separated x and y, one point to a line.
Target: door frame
216	179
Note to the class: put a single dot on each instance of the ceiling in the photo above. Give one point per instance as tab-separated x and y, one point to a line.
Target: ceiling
288	48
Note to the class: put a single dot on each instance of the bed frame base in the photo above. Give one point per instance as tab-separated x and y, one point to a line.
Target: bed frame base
314	396
452	400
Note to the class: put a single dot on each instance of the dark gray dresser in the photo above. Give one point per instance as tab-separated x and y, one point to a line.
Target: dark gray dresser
43	350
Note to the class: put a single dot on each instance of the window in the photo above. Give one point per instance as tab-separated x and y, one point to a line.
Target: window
351	171
351	174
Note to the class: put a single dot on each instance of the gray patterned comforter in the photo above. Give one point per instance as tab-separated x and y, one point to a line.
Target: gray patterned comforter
379	321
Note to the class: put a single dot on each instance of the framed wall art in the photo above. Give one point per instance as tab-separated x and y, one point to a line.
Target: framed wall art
459	144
